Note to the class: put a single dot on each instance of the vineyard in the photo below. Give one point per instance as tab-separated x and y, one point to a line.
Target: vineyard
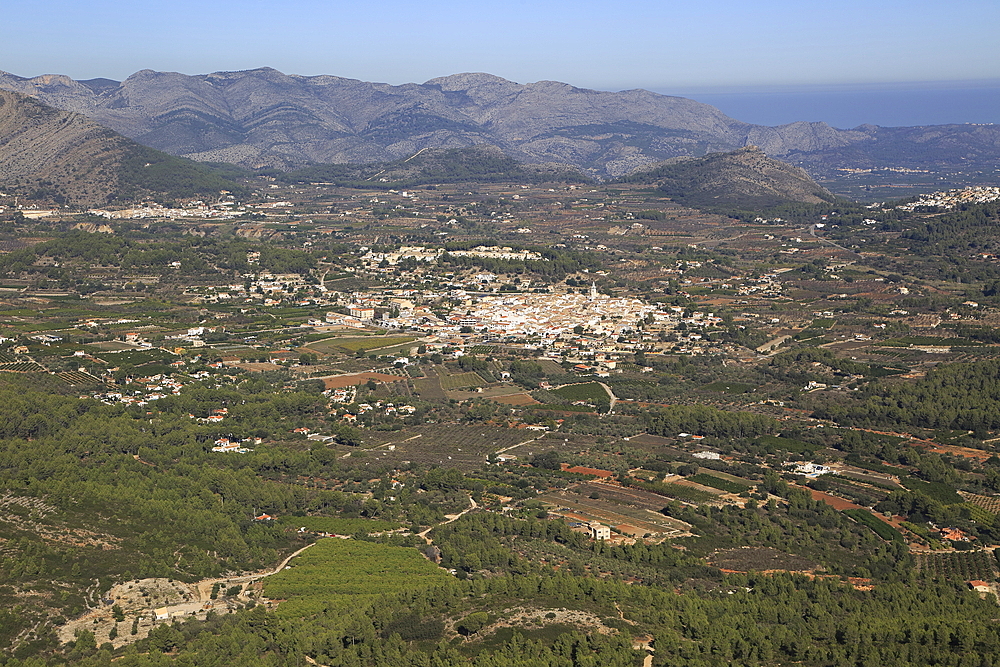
939	491
989	503
346	574
7	357
23	367
461	380
591	391
959	565
879	527
676	491
979	514
78	378
718	483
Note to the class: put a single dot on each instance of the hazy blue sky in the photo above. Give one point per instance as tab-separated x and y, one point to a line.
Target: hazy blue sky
661	45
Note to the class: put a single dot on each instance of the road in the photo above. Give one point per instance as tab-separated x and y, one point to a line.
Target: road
611	395
448	519
199	600
812	232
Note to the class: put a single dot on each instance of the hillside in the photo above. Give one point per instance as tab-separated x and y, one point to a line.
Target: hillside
264	118
46	153
745	179
482	164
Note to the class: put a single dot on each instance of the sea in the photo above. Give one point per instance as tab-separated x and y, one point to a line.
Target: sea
847	106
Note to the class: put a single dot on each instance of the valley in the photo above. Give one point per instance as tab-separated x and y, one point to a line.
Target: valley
456	418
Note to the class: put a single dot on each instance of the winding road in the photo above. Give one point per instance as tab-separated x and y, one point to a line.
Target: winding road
448	519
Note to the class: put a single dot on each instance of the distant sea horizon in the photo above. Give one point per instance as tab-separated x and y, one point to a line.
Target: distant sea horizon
847	106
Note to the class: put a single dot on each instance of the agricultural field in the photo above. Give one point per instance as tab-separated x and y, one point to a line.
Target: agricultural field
692	493
78	378
429	388
855	492
729	387
613	507
869	479
589	391
879	527
773	442
134	357
729	486
989	503
550	367
939	491
516	399
108	346
959	565
347	574
355	344
461	380
22	367
337	525
351	379
906	341
448	446
759	559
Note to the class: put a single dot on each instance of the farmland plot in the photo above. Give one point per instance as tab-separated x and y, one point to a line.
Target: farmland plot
446	445
759	559
609	509
461	380
959	565
23	367
988	503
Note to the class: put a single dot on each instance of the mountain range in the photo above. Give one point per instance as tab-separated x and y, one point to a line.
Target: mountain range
64	157
264	118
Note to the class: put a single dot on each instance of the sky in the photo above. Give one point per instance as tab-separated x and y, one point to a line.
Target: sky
745	49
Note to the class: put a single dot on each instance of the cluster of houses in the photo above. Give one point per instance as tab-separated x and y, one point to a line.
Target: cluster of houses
381	407
375	261
233	445
156	387
953	198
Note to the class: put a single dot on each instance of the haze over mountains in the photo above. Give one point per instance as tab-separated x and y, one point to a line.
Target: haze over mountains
262	117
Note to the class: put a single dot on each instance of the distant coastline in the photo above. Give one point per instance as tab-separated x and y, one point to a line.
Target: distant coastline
890	105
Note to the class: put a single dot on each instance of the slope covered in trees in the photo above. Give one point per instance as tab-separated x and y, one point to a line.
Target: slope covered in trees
481	164
745	179
64	157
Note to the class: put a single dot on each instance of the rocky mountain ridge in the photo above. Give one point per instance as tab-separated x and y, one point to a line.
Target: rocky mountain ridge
67	158
263	117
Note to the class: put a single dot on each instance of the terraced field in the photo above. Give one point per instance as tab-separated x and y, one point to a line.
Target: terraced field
959	565
461	380
614	509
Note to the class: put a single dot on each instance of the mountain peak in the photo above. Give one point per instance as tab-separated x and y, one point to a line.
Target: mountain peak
468	80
